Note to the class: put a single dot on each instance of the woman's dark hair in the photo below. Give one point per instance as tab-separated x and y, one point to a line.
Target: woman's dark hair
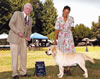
67	7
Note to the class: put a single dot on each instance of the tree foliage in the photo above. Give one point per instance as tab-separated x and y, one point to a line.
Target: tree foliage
96	29
81	31
36	15
49	17
44	16
5	14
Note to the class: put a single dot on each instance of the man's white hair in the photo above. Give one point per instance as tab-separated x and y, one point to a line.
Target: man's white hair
29	5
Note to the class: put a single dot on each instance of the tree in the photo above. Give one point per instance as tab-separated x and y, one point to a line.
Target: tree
80	32
44	16
18	4
51	36
49	17
5	14
36	15
96	29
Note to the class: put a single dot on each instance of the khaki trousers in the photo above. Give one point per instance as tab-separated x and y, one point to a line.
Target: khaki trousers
19	51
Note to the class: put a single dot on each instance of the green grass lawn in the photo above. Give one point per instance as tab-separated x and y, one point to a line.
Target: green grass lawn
51	68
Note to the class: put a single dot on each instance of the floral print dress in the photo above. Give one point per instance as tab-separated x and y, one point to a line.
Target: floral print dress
65	39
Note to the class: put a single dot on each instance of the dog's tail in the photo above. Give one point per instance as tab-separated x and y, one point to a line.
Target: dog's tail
88	58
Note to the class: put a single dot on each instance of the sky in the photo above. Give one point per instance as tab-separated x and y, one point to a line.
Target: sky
83	11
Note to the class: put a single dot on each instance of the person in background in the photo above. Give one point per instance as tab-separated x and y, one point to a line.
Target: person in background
63	33
19	34
37	44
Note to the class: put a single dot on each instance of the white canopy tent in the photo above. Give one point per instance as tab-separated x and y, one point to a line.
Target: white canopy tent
4	36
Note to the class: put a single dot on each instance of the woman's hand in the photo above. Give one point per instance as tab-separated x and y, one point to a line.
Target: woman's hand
55	42
56	37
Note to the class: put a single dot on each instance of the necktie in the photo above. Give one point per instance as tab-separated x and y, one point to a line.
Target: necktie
26	20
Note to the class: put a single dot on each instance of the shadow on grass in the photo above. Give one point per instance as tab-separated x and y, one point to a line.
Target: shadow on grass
52	71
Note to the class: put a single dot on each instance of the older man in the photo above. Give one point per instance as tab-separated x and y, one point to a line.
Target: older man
20	30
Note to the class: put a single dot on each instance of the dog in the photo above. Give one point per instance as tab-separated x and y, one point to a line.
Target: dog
68	59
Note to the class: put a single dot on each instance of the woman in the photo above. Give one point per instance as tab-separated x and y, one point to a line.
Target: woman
63	32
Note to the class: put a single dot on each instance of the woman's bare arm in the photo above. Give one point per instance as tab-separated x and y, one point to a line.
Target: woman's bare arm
56	36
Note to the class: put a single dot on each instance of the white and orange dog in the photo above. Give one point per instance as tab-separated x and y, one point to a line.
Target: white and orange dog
68	59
